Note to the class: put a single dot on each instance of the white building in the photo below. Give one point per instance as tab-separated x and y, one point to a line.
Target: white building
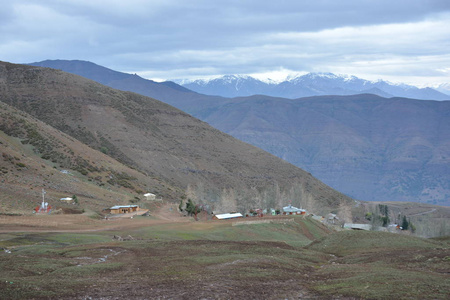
150	196
294	210
228	216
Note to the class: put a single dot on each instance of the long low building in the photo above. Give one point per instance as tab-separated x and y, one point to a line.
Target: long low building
293	210
124	209
357	226
227	216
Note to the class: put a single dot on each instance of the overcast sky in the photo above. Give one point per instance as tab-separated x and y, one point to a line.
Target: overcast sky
398	40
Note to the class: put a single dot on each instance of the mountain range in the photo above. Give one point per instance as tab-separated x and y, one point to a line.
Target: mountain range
366	146
115	140
311	84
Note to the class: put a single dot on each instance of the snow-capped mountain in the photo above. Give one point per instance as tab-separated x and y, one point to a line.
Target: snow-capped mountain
443	88
229	86
311	84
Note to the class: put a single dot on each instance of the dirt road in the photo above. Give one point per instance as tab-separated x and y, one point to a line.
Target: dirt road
85	223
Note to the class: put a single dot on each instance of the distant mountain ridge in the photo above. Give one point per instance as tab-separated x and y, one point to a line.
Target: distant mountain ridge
168	92
343	140
443	88
311	84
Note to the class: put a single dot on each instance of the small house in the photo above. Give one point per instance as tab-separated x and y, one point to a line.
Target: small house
150	196
124	209
332	218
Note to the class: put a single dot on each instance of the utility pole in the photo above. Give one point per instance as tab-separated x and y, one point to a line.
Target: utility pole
43	199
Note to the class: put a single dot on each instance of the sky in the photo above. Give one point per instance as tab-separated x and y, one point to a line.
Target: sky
397	40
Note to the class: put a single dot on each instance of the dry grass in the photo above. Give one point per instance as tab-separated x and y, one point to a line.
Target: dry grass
215	260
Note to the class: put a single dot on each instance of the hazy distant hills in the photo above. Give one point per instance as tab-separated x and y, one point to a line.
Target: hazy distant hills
184	155
168	92
312	84
366	146
110	77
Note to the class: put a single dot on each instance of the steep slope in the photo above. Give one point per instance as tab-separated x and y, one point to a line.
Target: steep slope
35	155
163	142
366	146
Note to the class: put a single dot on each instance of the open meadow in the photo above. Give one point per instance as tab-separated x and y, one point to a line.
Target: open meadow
167	256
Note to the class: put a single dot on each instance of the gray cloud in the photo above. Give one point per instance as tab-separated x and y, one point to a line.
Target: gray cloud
175	38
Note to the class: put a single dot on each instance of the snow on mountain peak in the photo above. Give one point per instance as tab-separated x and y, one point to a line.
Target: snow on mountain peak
307	84
233	78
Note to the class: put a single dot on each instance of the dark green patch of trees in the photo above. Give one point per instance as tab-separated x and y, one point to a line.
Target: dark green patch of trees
407	225
384	215
191	208
380	216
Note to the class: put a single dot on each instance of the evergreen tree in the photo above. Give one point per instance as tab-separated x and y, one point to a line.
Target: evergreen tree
384	215
193	209
405	223
190	207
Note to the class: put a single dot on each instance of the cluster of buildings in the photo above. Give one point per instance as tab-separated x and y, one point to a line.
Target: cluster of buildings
287	210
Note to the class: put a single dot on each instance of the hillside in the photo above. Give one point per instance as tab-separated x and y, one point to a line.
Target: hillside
187	156
36	156
368	147
168	92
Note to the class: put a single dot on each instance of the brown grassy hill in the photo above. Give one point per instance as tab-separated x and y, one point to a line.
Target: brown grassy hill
33	154
165	143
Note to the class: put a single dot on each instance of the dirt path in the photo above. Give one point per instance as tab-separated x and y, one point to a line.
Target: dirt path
424	213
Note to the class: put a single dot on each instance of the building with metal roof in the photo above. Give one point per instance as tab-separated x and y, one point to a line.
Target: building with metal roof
227	216
124	209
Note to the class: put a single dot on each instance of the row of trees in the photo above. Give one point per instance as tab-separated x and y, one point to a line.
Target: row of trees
299	194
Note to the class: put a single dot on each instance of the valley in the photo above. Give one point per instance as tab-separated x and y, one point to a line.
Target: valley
366	146
74	137
225	150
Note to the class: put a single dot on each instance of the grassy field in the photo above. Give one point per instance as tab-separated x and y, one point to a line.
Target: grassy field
216	260
380	265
